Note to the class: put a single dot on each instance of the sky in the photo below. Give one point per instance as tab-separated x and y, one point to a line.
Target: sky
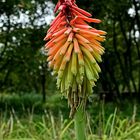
24	18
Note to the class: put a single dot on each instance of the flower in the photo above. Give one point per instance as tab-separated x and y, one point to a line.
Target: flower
74	49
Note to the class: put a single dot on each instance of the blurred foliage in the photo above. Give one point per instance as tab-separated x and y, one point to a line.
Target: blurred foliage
23	66
22	103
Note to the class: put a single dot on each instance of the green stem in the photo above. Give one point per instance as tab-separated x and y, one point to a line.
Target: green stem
79	121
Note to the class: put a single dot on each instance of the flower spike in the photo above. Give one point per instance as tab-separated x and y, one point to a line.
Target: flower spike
74	49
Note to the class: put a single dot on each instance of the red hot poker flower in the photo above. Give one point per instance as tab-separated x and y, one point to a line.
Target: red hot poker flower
74	49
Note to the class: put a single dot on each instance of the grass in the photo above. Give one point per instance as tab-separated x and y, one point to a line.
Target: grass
35	127
49	127
104	121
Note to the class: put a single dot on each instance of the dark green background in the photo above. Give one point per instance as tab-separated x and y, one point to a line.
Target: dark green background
23	67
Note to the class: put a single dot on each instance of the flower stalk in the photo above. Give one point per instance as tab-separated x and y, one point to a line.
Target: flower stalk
79	122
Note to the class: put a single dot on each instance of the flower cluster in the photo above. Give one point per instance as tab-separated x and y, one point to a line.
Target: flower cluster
74	49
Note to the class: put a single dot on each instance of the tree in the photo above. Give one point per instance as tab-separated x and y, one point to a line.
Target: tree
22	29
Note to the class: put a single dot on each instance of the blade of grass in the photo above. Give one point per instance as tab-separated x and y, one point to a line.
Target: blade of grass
66	128
113	122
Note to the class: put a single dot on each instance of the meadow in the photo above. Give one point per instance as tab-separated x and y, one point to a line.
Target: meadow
25	117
